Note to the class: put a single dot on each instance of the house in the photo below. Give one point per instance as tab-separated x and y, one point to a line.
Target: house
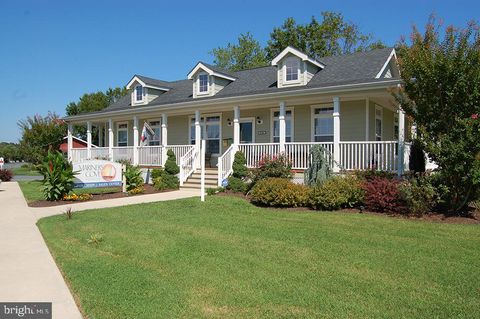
343	103
76	144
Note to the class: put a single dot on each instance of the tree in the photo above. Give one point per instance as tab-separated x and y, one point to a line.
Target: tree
332	36
92	102
442	95
247	54
39	134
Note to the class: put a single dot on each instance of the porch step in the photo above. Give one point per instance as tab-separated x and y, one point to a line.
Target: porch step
194	181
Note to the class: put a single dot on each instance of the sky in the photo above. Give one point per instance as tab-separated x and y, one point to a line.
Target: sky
52	52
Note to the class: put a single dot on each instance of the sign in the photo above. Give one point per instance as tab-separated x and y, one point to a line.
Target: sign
225	182
262	133
1	162
97	173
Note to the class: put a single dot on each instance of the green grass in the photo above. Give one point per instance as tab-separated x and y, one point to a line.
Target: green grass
32	190
228	259
25	171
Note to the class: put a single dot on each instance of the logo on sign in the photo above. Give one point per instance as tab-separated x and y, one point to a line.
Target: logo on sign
108	172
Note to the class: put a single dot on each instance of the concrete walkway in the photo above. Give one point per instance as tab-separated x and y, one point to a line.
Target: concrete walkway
27	270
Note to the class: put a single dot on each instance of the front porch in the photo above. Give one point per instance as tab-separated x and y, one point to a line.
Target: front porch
357	133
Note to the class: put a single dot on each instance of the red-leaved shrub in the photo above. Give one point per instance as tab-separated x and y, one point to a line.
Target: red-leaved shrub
382	195
5	175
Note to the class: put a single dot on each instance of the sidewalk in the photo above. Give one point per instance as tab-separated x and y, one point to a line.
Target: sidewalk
27	270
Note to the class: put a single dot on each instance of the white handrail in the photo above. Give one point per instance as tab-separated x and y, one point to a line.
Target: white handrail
187	164
378	155
225	163
151	155
180	150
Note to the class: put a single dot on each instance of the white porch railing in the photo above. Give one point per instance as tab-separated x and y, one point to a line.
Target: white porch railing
299	153
187	164
254	152
99	153
180	150
379	155
123	153
151	155
225	164
79	154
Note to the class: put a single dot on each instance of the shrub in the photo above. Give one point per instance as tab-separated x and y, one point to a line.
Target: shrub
279	192
236	184
418	195
133	176
75	197
163	180
137	190
319	170
171	166
156	172
373	173
417	157
381	194
58	176
337	192
6	175
239	166
277	166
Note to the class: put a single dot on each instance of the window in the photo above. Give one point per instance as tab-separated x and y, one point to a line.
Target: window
292	66
156	127
122	134
323	124
288	126
138	93
395	127
210	131
378	123
203	83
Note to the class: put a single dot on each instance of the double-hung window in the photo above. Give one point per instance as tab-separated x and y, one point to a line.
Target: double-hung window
122	134
202	83
288	126
292	66
323	124
210	131
155	126
138	93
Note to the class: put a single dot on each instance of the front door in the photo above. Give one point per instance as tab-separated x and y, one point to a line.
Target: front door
247	131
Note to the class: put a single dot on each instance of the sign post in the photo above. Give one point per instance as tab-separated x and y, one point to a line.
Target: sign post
202	175
1	162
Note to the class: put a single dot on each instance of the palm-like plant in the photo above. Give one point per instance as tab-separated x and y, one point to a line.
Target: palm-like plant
58	176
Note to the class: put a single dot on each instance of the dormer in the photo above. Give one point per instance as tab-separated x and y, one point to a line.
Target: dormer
295	68
208	80
144	90
390	68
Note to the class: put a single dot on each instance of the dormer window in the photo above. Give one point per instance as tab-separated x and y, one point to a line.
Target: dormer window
138	93
292	69
202	83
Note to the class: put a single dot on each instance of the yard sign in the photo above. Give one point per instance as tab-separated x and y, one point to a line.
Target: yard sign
1	162
97	173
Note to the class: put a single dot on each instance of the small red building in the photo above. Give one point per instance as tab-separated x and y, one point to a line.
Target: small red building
77	143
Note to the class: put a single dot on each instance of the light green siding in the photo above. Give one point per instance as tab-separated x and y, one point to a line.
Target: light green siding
178	130
302	123
352	120
262	131
388	118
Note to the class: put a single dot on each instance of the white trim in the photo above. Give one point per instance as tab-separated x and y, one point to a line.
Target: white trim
137	79
203	129
277	109
247	120
159	120
122	129
203	67
299	71
377	117
299	54
396	119
392	54
314	116
198	92
135	94
356	87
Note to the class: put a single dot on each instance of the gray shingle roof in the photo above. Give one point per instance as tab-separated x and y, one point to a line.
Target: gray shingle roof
355	68
153	82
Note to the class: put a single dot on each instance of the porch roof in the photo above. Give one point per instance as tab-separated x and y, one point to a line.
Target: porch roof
355	70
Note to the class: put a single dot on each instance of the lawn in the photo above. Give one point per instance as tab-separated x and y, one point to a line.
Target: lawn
32	190
25	171
228	259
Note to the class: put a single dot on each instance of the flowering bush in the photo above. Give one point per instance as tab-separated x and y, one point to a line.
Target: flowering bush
6	175
382	194
81	197
137	190
279	192
274	166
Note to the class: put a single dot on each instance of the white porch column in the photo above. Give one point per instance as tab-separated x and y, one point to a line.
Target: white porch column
89	140
100	135
282	127
165	137
69	141
236	127
401	142
110	139
198	136
135	140
336	133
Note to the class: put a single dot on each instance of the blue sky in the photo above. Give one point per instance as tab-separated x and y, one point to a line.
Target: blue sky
52	52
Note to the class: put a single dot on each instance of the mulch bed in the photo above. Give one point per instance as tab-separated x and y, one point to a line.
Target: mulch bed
472	218
149	189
